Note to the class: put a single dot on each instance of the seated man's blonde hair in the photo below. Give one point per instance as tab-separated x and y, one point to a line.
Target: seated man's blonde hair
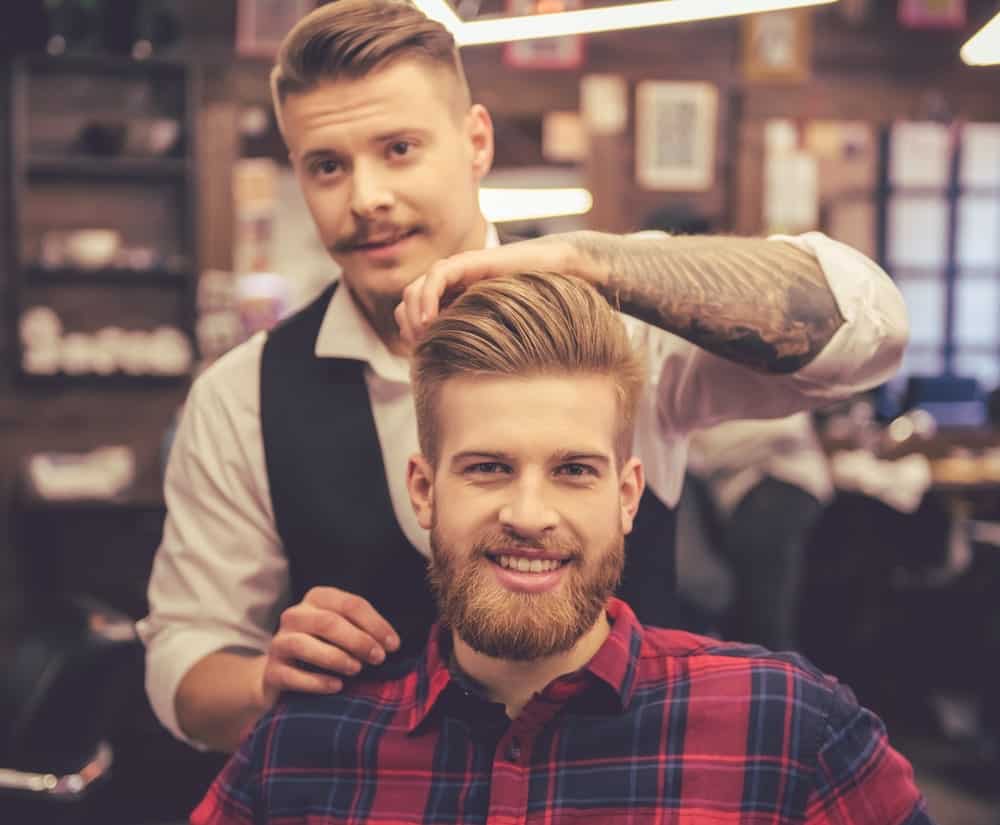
526	325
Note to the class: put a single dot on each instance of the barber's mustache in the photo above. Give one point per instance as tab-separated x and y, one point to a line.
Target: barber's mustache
498	542
371	233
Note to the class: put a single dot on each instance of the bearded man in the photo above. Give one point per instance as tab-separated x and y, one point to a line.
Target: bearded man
539	697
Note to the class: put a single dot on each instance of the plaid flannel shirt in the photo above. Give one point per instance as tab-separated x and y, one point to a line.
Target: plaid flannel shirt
661	726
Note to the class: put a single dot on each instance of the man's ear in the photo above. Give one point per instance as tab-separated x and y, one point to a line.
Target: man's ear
420	485
479	128
632	481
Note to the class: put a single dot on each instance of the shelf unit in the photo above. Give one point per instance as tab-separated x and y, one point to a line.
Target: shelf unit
58	181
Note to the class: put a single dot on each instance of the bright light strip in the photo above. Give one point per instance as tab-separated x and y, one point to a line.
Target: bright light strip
441	11
610	18
983	48
500	205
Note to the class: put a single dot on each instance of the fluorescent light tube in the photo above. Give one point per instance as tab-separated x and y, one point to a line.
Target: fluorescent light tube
441	11
501	205
609	18
983	49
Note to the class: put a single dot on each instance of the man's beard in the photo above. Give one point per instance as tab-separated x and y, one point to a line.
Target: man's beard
520	626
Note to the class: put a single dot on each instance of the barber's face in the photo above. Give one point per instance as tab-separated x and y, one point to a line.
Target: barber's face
527	508
390	168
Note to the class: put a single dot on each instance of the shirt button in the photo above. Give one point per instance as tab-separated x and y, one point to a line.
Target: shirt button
514	750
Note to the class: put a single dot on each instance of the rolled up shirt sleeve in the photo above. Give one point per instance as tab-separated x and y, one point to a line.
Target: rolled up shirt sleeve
219	578
698	389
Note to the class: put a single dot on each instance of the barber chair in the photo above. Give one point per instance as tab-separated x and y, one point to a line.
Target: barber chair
58	694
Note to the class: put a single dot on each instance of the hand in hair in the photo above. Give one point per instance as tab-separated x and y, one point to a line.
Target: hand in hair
433	290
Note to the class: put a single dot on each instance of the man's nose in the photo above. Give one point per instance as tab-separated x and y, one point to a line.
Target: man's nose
370	192
527	511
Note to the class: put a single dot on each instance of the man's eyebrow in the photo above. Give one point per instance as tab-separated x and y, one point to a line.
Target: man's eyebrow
571	456
483	455
562	457
396	134
315	154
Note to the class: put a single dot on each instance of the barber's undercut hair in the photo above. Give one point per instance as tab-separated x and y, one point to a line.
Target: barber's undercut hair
348	39
527	325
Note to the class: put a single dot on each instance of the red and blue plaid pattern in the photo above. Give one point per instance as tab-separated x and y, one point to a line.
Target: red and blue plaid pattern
661	727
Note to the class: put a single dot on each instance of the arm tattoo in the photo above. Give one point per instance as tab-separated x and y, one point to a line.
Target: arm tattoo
764	304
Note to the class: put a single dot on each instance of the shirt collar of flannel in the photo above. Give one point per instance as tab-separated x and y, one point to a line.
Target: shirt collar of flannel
615	664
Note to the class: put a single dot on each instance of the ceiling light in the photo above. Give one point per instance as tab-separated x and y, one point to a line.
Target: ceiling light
441	11
500	205
609	18
983	49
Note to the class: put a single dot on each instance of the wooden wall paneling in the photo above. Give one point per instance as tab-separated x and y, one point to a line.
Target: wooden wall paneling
606	173
218	150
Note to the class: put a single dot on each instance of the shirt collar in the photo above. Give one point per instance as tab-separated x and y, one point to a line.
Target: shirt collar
615	664
346	333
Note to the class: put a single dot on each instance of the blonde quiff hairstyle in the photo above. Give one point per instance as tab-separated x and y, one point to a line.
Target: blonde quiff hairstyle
533	324
352	38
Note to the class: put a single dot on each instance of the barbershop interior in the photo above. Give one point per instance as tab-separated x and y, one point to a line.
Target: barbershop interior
152	223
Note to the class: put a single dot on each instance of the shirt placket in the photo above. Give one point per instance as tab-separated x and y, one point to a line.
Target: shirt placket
511	776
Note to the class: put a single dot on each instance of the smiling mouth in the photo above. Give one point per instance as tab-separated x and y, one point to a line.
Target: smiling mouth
524	564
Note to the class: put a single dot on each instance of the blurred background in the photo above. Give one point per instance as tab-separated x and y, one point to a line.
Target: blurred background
149	222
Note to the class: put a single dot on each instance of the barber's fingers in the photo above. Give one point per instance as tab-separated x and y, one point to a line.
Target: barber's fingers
293	646
422	299
344	620
280	676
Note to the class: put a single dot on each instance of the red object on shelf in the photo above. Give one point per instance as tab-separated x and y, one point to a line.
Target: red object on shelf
932	14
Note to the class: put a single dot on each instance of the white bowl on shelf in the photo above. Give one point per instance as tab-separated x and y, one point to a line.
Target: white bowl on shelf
92	248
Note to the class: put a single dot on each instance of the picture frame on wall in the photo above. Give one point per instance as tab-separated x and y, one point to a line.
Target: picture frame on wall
261	25
565	52
676	128
777	46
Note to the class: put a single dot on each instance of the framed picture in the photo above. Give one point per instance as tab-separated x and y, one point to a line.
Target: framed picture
544	52
675	135
777	46
261	25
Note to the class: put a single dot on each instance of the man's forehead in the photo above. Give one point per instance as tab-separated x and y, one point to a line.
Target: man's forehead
560	413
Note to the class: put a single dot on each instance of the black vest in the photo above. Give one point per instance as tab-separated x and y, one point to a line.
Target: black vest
331	501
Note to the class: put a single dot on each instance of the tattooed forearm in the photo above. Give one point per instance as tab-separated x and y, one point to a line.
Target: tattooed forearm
761	303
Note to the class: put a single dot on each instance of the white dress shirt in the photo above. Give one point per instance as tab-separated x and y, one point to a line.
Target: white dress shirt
220	578
735	456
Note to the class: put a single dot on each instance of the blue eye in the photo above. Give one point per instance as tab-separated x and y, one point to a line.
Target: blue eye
487	468
577	470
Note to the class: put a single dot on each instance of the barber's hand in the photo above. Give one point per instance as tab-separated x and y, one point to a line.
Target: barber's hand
329	629
424	297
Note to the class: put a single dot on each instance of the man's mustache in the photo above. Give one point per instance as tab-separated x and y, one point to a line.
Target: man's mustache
497	543
369	233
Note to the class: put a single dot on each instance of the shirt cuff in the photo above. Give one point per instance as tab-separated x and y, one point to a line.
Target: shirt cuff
867	348
169	656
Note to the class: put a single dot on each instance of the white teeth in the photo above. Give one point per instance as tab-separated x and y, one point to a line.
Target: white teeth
524	565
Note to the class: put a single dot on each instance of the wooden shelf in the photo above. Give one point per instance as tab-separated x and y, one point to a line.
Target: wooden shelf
111	276
117	379
100	63
110	167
